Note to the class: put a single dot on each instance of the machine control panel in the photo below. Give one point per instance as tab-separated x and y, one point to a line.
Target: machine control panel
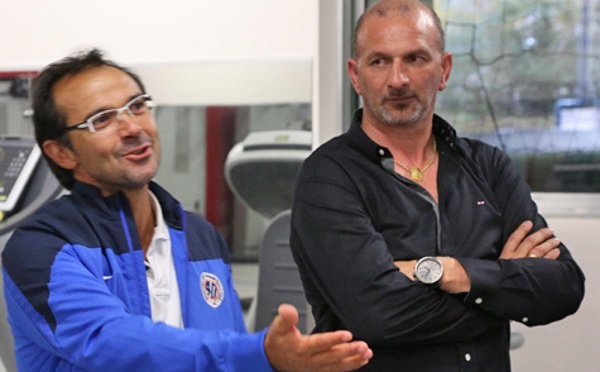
19	157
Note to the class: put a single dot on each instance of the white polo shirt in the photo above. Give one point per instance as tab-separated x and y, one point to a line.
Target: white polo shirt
160	273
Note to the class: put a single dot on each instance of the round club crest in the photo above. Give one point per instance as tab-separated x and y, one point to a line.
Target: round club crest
212	289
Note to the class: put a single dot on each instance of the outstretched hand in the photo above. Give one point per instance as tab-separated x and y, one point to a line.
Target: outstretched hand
288	350
540	244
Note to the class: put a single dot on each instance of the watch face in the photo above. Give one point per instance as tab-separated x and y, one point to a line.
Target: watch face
429	270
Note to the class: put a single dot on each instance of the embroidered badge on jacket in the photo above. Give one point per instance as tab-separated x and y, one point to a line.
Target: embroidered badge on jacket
212	289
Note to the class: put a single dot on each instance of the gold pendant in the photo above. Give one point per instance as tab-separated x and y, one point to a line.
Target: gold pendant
416	174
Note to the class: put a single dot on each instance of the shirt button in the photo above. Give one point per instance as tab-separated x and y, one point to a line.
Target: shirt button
381	152
479	300
525	320
468	357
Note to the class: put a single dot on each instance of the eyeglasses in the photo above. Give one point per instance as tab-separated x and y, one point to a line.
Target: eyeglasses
105	121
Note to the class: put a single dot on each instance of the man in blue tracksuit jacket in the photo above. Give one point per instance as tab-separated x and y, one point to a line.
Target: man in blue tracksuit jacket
115	276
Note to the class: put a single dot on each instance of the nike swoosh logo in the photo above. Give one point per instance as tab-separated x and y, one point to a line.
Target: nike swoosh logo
107	277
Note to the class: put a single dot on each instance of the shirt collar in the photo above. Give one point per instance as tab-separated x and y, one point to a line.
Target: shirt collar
444	133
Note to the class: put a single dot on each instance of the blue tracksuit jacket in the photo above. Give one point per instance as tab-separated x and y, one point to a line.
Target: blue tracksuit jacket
77	296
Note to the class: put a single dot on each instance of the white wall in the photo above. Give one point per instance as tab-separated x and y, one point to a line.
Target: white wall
217	52
36	32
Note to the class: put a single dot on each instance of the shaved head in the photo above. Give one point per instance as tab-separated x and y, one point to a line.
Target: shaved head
388	8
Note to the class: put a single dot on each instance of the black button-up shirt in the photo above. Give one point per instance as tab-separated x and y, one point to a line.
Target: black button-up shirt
353	215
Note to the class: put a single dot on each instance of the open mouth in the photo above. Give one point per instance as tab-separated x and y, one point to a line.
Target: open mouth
138	152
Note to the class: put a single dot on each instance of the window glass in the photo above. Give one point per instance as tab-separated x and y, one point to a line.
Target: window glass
526	78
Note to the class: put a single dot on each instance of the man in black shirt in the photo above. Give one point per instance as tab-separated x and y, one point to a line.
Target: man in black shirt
422	243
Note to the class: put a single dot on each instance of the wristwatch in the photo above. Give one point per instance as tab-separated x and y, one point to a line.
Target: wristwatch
429	270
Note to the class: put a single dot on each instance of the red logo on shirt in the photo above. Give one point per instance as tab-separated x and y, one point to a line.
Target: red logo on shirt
212	289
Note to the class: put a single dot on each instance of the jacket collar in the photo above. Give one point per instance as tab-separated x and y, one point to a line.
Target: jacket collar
109	206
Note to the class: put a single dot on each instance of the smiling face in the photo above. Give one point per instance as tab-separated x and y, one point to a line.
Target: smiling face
121	160
399	67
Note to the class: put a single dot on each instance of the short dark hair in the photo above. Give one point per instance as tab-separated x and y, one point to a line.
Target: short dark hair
48	120
384	8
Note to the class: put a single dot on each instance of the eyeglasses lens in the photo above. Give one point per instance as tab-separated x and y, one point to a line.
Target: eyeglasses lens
103	121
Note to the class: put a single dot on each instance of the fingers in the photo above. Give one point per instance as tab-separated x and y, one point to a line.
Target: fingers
341	357
350	364
553	254
320	342
541	243
515	239
287	318
548	250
